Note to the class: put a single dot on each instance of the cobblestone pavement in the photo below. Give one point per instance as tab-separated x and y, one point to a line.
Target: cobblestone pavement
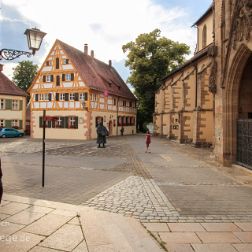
174	183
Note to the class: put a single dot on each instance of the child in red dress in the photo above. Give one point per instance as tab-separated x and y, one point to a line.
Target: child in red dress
148	140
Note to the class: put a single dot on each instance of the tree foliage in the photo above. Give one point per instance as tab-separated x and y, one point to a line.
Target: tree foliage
150	58
24	73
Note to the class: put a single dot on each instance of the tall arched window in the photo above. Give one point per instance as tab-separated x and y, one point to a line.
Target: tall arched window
204	37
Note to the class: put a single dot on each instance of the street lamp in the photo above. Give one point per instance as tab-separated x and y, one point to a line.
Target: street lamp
34	40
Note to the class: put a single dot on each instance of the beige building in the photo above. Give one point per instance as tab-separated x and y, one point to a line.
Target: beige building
12	104
79	91
208	101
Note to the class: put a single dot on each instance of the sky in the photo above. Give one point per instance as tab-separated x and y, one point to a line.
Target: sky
104	25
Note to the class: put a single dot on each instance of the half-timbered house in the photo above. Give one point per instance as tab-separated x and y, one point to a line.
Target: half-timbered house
79	91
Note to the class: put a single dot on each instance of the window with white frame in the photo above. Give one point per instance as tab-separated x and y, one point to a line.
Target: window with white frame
65	61
59	122
71	96
72	121
14	104
14	123
2	104
48	78
62	97
94	97
2	123
68	77
82	96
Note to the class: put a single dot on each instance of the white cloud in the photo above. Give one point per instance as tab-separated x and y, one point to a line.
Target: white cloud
104	25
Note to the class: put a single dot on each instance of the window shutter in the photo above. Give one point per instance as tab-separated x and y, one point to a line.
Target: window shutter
20	105
44	78
51	78
50	96
62	125
40	122
86	96
8	123
58	80
66	122
66	97
72	76
36	97
20	124
57	96
76	122
8	104
57	63
63	77
76	96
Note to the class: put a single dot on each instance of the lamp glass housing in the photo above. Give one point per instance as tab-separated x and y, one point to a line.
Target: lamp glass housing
34	38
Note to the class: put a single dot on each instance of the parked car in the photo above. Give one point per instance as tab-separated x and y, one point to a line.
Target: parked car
10	132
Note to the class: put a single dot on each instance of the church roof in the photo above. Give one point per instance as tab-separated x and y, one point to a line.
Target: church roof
7	87
96	74
207	12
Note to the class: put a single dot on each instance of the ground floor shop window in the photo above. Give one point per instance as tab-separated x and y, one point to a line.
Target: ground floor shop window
66	122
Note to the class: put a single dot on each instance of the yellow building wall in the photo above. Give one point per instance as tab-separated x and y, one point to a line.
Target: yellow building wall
187	127
166	125
208	21
7	114
205	123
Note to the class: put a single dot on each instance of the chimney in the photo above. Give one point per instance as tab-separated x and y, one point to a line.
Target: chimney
92	53
1	67
110	63
86	49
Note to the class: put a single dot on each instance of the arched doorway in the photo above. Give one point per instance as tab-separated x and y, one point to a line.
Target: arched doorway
238	79
244	122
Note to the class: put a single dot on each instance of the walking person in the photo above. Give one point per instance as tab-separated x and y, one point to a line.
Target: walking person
147	140
102	132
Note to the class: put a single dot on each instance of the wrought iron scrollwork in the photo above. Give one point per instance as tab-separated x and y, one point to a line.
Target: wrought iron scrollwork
10	54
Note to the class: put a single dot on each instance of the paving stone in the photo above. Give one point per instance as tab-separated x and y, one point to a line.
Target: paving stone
217	237
179	247
157	227
218	227
8	228
20	242
47	224
185	227
13	208
4	216
82	247
65	238
213	248
25	217
244	236
179	237
244	226
74	221
42	249
243	247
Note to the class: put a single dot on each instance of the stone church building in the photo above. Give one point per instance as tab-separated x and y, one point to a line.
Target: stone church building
208	100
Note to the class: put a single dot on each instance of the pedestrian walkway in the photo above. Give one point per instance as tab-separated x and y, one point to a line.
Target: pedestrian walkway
45	226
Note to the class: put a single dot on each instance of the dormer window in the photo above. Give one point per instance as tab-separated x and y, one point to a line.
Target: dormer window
48	63
204	37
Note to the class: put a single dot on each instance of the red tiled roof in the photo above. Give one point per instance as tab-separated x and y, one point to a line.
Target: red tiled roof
96	74
7	87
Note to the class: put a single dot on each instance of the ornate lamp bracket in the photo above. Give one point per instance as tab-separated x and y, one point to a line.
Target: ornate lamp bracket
10	54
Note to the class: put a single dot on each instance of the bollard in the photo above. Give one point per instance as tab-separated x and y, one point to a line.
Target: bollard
1	185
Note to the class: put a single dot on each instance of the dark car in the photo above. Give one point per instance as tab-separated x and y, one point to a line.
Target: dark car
10	132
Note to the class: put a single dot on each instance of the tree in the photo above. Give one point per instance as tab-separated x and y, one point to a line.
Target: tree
24	73
150	58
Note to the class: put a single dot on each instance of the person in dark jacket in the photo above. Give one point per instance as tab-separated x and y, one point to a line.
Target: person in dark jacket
102	132
1	186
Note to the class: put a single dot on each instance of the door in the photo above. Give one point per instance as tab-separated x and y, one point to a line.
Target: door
244	142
